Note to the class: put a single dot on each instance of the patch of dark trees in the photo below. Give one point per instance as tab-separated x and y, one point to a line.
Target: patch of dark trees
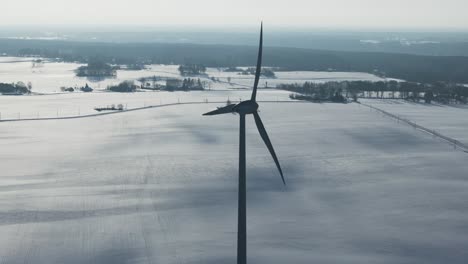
187	84
266	72
96	68
86	89
113	107
192	69
18	88
440	92
335	98
315	92
150	83
123	87
413	68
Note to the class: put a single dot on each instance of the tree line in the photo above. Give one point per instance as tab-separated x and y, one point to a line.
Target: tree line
172	84
440	92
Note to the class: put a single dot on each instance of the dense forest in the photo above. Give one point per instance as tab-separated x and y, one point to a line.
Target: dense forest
439	91
413	68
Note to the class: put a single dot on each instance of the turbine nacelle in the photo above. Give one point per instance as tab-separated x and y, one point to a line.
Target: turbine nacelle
243	108
246	107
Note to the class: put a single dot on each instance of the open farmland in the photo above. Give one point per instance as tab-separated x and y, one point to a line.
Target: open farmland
160	186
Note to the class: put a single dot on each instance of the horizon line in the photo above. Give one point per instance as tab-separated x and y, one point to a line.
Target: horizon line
116	27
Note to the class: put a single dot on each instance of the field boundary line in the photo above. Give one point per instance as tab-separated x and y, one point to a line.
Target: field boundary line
130	110
452	141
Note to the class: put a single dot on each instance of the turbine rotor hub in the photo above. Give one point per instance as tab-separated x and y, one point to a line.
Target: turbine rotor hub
246	107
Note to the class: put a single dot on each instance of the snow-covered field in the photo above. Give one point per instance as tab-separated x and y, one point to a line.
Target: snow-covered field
287	77
50	76
160	186
450	120
74	104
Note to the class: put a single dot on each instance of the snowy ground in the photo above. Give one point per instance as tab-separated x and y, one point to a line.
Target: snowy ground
287	77
450	120
74	104
160	186
50	76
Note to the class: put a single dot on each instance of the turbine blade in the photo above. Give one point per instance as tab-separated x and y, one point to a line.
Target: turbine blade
221	110
267	141
259	65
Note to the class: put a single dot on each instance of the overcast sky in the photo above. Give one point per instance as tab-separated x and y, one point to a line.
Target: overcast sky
308	13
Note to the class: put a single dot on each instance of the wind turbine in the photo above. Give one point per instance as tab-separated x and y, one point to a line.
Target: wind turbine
245	108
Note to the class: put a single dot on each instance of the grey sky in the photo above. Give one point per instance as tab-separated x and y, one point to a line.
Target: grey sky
310	13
